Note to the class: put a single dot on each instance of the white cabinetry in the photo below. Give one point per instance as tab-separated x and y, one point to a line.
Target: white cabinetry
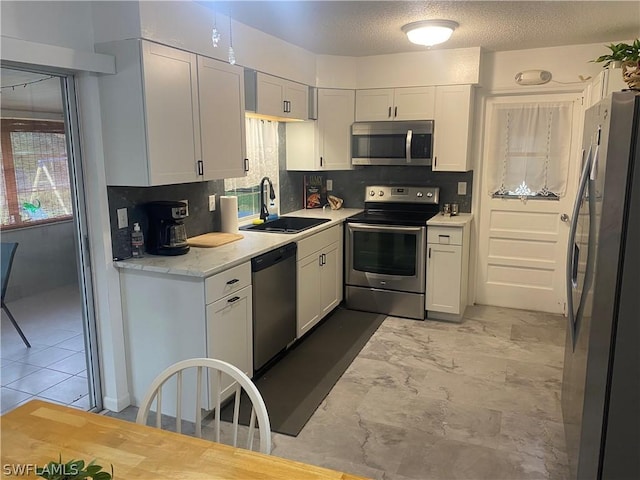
168	318
156	110
326	143
319	280
229	320
447	271
607	81
411	103
452	128
278	97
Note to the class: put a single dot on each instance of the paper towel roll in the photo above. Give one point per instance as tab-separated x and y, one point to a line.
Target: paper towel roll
229	214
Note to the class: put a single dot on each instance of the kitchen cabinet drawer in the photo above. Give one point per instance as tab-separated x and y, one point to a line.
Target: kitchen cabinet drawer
444	235
312	244
227	282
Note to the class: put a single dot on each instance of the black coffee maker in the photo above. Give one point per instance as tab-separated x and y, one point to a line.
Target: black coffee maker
167	233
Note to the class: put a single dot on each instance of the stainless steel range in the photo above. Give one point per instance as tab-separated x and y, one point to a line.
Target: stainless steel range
386	248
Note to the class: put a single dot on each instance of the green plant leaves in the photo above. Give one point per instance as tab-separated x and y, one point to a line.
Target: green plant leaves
621	52
73	470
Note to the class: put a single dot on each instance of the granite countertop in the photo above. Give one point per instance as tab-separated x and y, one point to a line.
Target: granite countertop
204	262
459	220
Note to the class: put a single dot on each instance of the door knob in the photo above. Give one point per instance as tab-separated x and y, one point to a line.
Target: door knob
564	217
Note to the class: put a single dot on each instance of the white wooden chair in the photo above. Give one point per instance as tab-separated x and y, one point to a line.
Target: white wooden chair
218	368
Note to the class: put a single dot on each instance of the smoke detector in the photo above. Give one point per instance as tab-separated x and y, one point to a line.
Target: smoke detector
533	77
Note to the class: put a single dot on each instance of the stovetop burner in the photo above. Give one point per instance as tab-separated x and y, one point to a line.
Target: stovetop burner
398	205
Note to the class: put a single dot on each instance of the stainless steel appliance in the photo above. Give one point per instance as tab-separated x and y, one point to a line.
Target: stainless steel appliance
385	262
392	143
601	379
167	233
273	277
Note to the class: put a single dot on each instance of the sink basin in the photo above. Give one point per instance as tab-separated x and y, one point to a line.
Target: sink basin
286	225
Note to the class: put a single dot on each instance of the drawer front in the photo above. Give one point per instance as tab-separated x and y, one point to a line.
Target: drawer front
320	240
227	282
444	235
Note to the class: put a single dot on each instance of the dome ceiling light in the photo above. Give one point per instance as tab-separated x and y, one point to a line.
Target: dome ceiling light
429	32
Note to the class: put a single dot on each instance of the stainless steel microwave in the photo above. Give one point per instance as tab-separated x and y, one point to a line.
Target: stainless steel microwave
392	143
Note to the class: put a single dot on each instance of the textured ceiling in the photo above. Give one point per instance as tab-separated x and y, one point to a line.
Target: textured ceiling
363	28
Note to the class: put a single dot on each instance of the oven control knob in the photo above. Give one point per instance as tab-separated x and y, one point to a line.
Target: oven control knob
381	193
429	194
372	193
419	194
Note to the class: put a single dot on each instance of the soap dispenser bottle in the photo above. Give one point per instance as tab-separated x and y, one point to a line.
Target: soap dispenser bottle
137	241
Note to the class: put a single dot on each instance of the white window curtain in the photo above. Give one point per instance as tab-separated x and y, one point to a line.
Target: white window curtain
529	149
262	152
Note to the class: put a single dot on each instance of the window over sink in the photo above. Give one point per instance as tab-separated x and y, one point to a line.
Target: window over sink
262	152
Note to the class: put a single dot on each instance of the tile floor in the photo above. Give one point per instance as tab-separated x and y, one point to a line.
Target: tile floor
436	400
54	368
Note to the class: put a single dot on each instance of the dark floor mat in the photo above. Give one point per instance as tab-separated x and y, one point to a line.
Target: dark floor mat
294	387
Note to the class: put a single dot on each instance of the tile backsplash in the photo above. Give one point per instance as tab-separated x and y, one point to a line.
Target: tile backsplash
348	185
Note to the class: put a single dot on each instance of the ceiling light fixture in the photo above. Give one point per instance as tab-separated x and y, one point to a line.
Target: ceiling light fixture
429	32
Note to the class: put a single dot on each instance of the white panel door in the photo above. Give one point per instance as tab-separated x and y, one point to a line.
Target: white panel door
297	96
271	91
171	104
330	284
309	299
221	92
452	134
444	278
523	244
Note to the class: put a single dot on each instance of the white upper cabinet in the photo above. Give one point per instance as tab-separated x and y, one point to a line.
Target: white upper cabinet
452	128
278	97
607	81
222	126
388	104
153	111
326	143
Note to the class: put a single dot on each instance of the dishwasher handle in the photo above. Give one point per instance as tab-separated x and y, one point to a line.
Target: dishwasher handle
274	256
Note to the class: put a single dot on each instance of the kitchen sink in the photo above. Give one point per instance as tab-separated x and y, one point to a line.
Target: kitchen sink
286	225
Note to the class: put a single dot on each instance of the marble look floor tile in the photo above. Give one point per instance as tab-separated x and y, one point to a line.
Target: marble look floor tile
536	437
512	316
474	326
371	373
534	375
450	460
539	334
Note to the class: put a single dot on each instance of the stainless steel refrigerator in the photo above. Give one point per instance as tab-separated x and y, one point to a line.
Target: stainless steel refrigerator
601	380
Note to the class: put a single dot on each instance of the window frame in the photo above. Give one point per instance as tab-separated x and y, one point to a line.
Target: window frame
9	126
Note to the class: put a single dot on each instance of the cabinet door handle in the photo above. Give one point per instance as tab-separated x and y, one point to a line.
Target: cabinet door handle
435	161
429	252
320	161
231	282
395	112
320	259
200	167
324	259
246	164
233	299
284	106
389	112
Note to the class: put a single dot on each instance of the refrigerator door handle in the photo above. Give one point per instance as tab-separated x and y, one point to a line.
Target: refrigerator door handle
573	250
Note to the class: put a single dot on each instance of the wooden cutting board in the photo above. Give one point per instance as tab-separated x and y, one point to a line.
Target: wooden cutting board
213	239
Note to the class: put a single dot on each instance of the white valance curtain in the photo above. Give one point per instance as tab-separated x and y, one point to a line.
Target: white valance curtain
262	152
529	149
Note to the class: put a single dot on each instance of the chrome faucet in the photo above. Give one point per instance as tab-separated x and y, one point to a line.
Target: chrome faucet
264	211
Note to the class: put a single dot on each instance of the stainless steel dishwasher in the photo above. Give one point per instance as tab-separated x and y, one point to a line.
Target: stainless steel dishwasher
273	277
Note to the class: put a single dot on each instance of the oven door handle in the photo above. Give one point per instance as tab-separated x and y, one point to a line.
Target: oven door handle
407	147
385	228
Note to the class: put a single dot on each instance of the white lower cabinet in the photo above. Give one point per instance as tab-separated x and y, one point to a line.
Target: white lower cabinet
229	324
447	271
319	283
169	318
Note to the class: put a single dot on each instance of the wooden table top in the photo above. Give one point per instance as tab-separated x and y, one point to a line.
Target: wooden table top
38	432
